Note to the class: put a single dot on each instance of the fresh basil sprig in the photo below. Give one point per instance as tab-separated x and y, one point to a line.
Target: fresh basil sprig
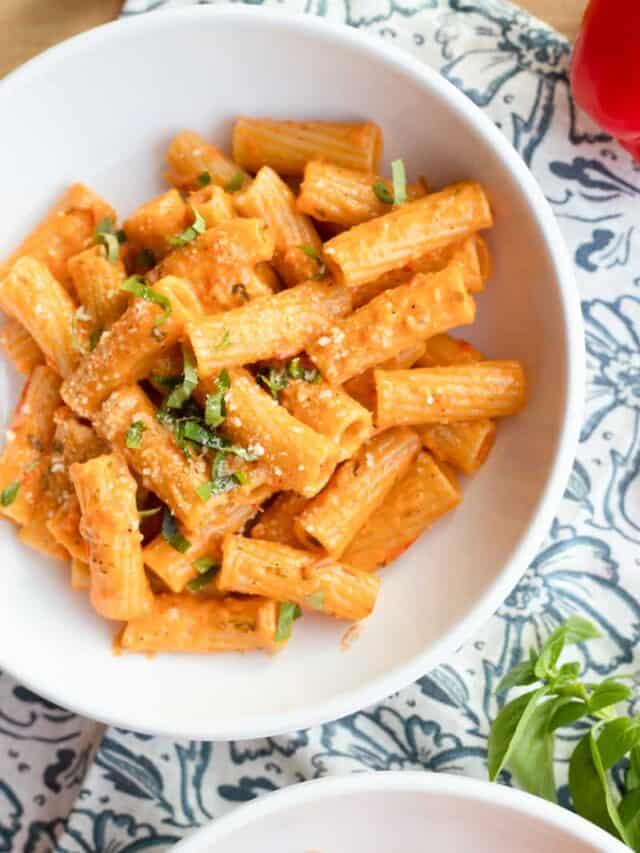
522	736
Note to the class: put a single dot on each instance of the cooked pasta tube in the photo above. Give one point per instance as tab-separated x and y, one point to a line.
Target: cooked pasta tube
425	493
443	351
119	588
31	295
369	250
431	395
464	444
23	352
234	286
363	387
68	228
96	281
64	527
391	323
287	322
217	254
213	204
331	520
177	569
287	146
154	222
466	253
331	412
270	199
28	439
275	523
155	456
128	351
35	533
80	574
257	567
192	160
300	458
186	623
346	197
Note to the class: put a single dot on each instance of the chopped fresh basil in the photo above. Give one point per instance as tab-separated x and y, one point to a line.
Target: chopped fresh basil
169	382
105	236
198	226
235	183
224	341
383	193
182	392
204	564
310	252
172	535
94	337
315	600
133	439
147	513
241	291
215	410
204	179
288	612
202	580
399	177
276	380
137	285
297	370
221	481
9	494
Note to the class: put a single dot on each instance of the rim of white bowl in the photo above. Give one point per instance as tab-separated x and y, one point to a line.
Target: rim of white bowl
410	781
352	700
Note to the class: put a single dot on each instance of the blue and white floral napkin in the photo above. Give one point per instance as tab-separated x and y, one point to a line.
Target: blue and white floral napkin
68	784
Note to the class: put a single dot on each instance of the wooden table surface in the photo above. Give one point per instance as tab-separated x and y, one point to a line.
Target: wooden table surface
29	26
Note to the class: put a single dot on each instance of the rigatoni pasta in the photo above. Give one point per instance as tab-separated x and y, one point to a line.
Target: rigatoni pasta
246	400
391	323
424	395
287	146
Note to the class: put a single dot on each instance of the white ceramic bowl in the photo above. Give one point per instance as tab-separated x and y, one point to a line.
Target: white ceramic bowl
101	108
396	811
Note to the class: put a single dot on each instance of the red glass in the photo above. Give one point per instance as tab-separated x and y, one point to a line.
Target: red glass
605	71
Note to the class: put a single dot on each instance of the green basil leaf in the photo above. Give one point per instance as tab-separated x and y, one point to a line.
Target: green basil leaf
315	600
310	252
136	284
382	192
297	370
629	811
204	564
181	394
204	179
225	340
508	727
567	712
574	630
632	779
589	787
521	674
9	493
215	410
399	178
235	183
197	227
147	513
94	339
617	738
105	236
172	535
205	576
288	612
276	380
531	756
133	439
608	692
